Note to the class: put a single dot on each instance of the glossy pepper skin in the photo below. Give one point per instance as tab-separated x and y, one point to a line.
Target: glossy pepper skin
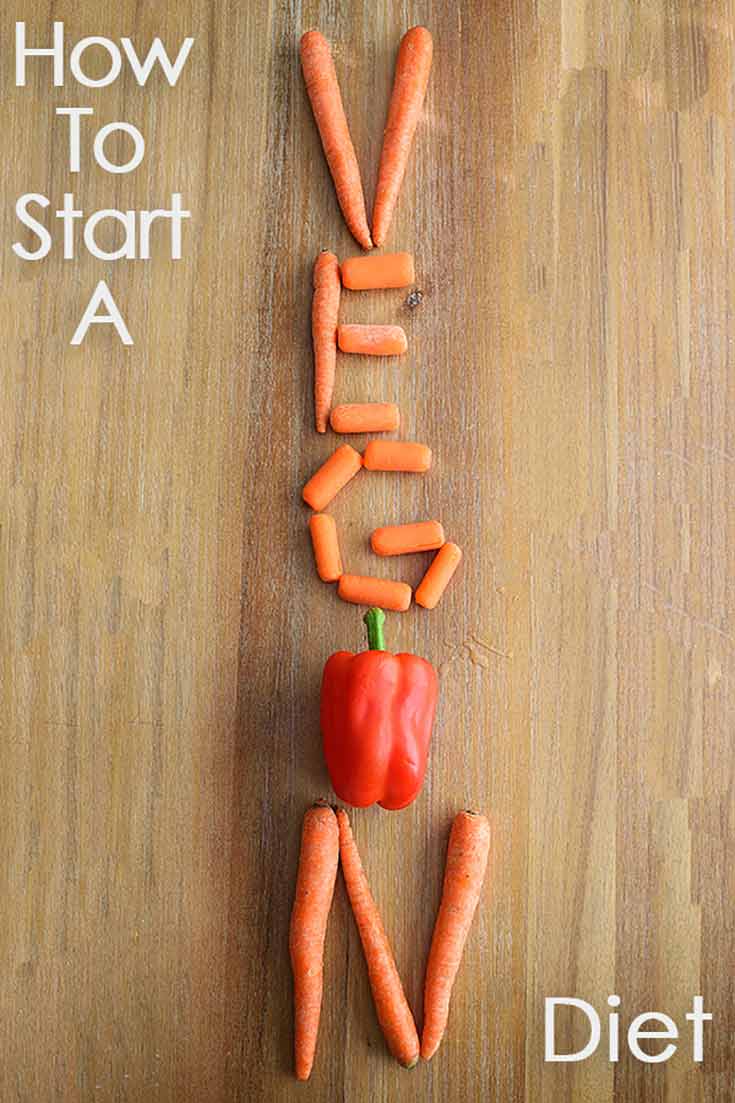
377	711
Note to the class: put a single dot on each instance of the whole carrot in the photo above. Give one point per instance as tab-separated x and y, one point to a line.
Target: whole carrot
409	88
394	1014
326	103
469	844
314	888
324	315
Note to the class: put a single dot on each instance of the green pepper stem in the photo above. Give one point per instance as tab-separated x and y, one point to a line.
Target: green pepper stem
374	620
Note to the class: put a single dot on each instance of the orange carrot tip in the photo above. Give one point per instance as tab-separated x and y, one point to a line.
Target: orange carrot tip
314	889
437	577
322	87
464	872
388	270
323	530
396	455
383	592
413	66
405	539
334	473
391	1005
365	417
372	340
324	314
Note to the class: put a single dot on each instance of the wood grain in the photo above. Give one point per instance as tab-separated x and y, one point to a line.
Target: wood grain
570	205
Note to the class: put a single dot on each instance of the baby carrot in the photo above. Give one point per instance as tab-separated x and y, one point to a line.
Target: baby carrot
329	114
388	270
324	314
366	417
391	1005
334	473
383	592
314	888
435	581
396	455
407	98
323	531
404	539
372	340
469	844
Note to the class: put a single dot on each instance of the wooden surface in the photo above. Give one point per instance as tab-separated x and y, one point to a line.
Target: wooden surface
570	205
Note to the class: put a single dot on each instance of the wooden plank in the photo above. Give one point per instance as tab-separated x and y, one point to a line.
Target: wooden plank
569	202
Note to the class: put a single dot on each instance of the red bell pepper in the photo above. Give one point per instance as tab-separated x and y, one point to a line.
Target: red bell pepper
377	711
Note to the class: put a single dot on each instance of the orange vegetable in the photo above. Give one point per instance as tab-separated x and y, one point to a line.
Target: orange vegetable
396	455
326	103
391	1005
388	270
383	592
404	539
323	531
334	473
314	889
409	88
372	340
436	579
366	417
469	845
324	314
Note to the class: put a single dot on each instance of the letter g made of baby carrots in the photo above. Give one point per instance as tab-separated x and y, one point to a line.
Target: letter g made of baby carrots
377	712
